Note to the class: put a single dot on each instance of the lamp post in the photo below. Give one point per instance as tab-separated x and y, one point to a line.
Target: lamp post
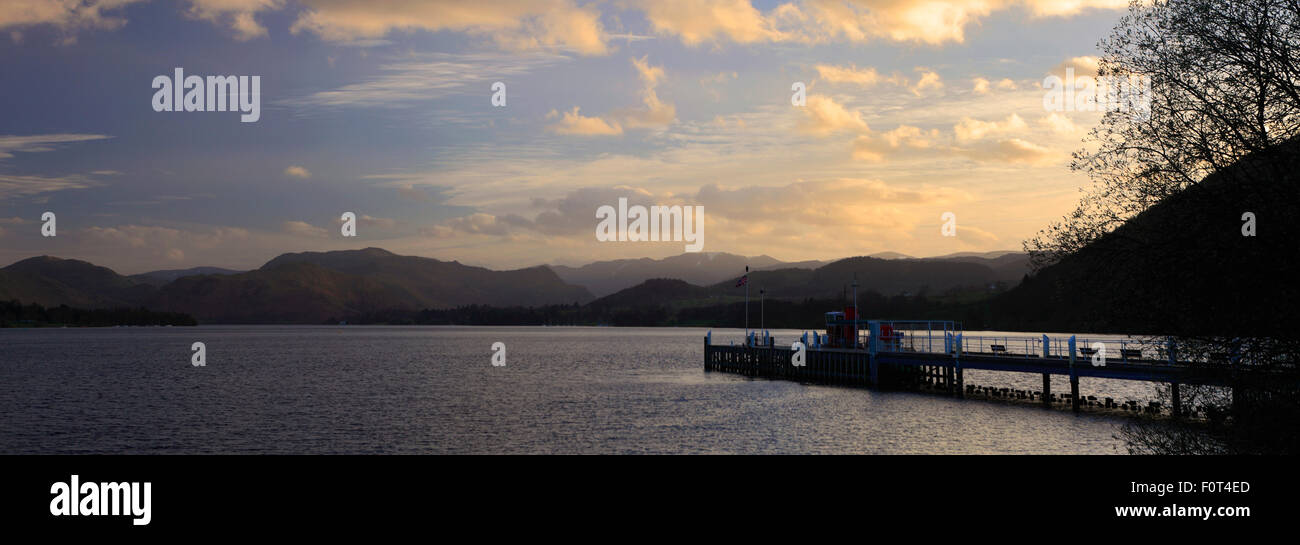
762	311
746	304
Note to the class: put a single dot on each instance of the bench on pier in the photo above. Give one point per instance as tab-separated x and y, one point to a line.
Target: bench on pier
1085	351
998	348
1131	353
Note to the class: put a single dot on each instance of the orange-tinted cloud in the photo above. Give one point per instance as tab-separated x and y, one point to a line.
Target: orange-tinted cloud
67	15
574	123
823	117
513	24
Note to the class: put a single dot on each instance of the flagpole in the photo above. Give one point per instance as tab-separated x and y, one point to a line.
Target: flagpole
746	304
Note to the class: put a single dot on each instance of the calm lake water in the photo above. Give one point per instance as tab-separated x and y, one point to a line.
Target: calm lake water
330	389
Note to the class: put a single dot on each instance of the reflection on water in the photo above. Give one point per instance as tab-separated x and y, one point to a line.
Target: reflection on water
329	389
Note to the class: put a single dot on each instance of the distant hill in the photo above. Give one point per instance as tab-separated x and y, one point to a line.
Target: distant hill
884	276
891	273
311	287
704	268
813	264
806	293
656	292
1183	266
308	287
1008	267
159	278
984	255
52	281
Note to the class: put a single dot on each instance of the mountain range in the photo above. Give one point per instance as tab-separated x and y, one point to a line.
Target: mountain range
308	287
314	287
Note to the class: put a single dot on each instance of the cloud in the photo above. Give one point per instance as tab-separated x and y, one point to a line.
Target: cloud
10	144
429	77
975	236
865	77
982	86
512	24
574	123
710	82
572	214
875	147
239	15
655	112
302	228
16	185
825	209
652	113
929	80
931	22
529	25
1013	150
699	21
803	213
1058	8
295	171
134	247
371	221
869	77
824	116
974	129
366	220
162	242
473	224
1086	65
1059	123
19	185
414	194
68	16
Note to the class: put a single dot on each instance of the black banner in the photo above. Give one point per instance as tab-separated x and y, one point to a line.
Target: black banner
320	494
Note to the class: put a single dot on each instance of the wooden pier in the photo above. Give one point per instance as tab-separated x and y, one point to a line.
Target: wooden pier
894	367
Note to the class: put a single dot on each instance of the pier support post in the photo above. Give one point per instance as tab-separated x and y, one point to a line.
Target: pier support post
872	346
1177	399
1047	390
1074	379
959	384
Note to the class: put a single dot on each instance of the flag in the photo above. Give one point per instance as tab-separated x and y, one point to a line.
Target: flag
743	280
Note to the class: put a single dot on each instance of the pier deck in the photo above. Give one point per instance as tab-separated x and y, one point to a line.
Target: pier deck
942	364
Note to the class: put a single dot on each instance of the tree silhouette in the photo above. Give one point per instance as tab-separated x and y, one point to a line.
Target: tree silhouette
1224	84
1220	126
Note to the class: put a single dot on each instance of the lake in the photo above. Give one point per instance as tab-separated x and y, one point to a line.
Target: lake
414	389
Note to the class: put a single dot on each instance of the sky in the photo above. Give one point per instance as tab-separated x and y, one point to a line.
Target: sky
912	109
